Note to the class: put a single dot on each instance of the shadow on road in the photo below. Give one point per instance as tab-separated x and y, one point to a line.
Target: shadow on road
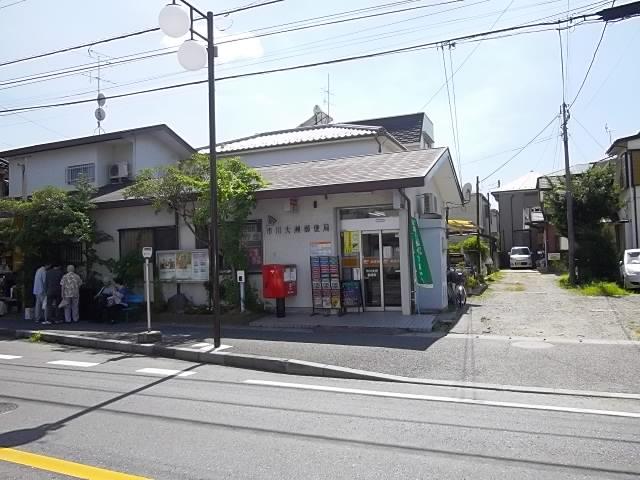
25	436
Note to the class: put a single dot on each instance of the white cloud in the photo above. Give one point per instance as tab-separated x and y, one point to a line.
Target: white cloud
243	46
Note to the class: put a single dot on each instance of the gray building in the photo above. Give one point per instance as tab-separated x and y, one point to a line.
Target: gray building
519	206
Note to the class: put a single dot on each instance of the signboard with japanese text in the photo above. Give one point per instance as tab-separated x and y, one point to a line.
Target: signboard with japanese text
183	265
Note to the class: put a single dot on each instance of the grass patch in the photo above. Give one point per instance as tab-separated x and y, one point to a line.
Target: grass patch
35	337
594	289
516	287
495	276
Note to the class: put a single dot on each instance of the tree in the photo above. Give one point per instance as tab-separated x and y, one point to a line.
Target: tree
184	189
596	202
51	218
46	225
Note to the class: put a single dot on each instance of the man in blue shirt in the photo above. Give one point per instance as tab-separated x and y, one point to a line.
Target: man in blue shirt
40	292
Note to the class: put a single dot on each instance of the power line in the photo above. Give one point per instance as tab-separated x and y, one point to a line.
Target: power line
468	56
521	149
343	20
422	46
593	59
11	4
505	151
564	88
588	132
453	126
455	112
119	37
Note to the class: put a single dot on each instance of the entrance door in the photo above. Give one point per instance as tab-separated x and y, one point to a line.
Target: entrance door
381	270
391	269
371	274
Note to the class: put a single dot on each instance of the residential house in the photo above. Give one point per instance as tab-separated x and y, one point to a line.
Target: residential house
553	242
519	213
626	151
325	183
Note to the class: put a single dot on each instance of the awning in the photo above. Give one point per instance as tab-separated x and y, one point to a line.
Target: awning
461	226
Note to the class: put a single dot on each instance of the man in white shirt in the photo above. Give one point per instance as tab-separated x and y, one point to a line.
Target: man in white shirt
40	292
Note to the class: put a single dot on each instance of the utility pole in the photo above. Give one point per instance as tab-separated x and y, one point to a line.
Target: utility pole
569	196
478	225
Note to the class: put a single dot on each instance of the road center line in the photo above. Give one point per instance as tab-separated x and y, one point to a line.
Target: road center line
64	467
9	357
73	363
431	398
165	372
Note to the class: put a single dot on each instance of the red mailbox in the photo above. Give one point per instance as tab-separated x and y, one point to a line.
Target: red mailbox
279	281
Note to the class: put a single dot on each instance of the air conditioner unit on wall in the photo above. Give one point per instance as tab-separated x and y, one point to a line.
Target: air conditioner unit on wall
427	203
119	170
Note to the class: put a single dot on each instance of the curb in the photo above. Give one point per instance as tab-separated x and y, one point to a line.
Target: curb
288	366
237	360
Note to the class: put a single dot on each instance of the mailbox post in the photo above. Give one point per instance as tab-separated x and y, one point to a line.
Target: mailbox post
279	282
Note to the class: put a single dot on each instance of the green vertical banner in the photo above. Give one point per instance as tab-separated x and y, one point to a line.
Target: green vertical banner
423	273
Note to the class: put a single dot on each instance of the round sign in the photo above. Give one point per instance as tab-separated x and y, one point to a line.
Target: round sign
100	114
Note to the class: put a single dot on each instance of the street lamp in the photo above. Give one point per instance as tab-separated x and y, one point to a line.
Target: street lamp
176	22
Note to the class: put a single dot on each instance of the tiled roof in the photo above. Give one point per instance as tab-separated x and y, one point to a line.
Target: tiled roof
294	136
405	128
397	167
105	137
348	174
526	182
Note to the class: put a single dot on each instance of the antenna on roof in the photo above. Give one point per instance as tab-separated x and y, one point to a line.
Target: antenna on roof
609	131
328	94
99	113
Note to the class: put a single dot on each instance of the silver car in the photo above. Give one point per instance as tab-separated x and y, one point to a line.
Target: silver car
630	268
520	257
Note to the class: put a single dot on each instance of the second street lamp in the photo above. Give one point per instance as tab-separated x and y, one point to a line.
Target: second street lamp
176	22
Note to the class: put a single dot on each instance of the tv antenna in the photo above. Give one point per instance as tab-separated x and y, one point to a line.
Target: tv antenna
327	95
101	99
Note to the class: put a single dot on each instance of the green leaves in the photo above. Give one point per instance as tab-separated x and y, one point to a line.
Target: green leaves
184	188
52	216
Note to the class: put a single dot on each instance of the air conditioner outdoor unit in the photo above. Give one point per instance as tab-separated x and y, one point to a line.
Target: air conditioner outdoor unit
119	170
427	204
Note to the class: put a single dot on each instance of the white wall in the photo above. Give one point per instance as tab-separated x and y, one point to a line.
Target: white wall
294	248
322	151
47	168
150	152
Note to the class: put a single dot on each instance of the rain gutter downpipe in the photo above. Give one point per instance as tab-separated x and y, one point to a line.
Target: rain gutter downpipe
413	290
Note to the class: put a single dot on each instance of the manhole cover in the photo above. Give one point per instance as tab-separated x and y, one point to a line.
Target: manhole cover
7	407
534	345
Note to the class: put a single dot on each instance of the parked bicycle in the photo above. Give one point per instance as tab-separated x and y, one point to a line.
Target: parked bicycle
456	292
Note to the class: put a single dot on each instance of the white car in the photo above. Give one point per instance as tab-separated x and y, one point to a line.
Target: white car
520	257
630	268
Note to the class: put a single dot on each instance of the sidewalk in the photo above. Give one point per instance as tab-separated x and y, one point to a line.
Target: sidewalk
604	365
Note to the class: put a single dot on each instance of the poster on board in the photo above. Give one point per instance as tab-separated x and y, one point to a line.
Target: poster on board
320	248
184	270
200	265
166	265
183	265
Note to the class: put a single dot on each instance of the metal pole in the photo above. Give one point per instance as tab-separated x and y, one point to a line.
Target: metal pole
478	198
146	286
569	196
213	187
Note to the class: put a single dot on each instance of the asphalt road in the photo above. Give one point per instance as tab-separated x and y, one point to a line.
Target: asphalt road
559	363
219	422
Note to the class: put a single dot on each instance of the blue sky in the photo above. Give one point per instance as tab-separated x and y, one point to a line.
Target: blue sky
505	93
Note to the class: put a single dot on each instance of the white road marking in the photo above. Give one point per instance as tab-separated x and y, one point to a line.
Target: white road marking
431	398
73	363
9	357
165	372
